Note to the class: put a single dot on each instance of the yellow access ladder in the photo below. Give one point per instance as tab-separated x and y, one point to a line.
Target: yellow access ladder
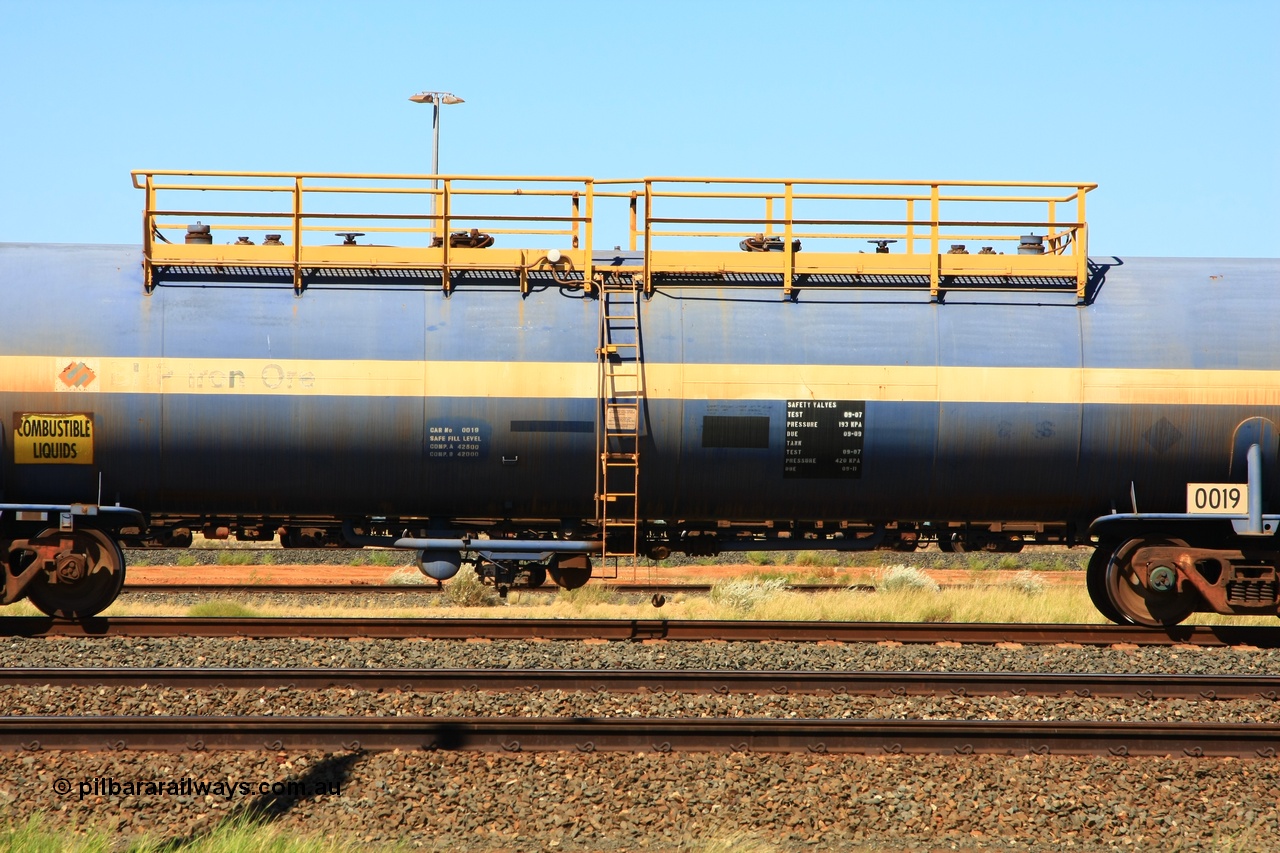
620	396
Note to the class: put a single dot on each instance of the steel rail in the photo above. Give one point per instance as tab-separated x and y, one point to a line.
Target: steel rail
634	734
1143	687
977	633
419	588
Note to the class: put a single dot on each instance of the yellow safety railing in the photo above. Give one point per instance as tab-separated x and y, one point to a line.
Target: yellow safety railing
945	230
945	233
439	222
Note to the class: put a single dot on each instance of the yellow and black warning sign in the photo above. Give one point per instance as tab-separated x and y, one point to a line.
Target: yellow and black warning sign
42	439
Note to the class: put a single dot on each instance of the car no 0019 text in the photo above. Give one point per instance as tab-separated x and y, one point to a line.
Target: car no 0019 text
1219	498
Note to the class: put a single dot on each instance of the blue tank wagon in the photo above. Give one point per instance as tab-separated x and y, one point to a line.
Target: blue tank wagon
768	364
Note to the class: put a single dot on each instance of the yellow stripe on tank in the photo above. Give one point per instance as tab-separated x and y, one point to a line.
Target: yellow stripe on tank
578	380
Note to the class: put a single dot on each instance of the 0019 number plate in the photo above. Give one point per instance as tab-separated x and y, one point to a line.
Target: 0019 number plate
1218	498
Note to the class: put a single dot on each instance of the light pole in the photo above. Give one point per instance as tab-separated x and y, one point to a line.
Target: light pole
435	99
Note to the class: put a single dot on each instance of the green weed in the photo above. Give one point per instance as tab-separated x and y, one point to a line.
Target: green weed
818	559
240	834
222	607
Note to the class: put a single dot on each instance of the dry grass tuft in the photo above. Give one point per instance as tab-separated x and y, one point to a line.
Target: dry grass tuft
465	589
902	577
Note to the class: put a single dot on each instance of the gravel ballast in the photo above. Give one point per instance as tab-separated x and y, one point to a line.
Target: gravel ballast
564	654
607	801
464	802
145	702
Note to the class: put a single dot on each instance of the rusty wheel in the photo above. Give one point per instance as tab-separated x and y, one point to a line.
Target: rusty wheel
537	576
1095	579
1134	599
85	578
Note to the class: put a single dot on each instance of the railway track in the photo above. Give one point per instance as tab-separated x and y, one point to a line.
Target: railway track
641	629
587	735
1127	686
428	589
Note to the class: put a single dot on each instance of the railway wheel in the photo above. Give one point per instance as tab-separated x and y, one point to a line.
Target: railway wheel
966	541
945	543
1095	580
1006	545
86	577
570	572
537	576
1134	599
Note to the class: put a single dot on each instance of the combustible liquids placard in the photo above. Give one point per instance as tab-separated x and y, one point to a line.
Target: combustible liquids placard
824	439
53	439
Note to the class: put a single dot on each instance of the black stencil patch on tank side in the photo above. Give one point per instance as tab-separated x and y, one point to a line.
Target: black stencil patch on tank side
457	439
736	431
553	426
824	439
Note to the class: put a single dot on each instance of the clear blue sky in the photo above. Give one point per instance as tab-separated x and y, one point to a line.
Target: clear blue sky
1172	107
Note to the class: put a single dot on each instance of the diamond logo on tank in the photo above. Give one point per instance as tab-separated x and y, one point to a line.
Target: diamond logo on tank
76	374
1162	435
